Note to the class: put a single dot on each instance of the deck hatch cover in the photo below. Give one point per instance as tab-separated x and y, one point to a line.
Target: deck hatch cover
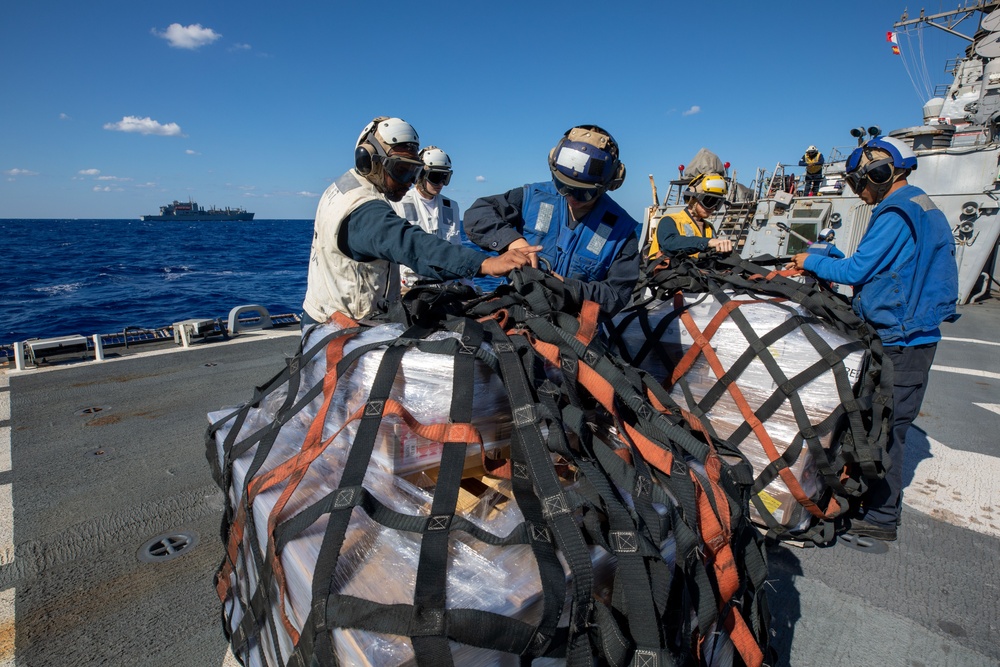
168	546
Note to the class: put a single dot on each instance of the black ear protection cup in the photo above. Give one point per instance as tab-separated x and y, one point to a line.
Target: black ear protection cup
365	159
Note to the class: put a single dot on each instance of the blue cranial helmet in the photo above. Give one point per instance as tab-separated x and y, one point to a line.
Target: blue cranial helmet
585	164
902	155
864	167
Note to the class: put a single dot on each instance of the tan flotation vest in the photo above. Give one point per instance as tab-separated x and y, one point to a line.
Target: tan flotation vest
337	283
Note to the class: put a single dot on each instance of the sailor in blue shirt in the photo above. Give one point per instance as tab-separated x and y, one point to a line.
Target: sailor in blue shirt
587	239
905	282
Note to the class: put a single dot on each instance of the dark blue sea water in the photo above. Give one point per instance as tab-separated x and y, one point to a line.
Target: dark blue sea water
84	277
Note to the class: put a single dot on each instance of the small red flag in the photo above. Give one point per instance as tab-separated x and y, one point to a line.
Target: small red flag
891	37
895	49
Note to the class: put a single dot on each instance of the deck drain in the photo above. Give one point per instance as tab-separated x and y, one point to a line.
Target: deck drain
101	453
168	546
93	410
210	364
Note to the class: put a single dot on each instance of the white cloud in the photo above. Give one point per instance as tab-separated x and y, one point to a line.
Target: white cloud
144	126
692	111
305	193
21	172
239	47
480	179
89	172
64	116
107	188
113	178
191	152
187	37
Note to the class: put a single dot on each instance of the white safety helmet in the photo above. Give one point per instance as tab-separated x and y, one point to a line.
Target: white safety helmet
378	138
437	166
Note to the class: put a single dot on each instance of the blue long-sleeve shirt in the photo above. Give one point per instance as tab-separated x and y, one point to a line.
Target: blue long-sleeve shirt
888	243
374	231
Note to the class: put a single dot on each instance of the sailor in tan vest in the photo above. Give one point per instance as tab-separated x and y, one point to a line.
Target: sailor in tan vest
359	241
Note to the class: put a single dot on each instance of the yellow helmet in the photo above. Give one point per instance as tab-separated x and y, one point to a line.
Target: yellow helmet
709	189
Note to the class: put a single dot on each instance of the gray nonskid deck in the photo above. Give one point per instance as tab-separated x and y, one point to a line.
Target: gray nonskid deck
90	487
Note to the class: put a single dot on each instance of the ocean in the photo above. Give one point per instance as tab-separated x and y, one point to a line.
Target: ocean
88	277
84	277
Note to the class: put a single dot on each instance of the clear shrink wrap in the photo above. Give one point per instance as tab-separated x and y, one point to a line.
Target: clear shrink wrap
793	352
378	563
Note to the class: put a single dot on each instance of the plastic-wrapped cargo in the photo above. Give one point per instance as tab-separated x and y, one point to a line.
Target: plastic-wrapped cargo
729	412
779	367
401	498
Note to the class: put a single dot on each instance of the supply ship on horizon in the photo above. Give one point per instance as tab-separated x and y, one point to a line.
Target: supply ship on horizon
190	212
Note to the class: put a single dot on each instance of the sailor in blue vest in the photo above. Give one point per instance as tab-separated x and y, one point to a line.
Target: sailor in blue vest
588	240
905	282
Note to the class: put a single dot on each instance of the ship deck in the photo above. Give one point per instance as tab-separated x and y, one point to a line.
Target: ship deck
98	459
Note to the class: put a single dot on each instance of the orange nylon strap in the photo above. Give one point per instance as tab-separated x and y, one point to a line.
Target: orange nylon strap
334	353
743	639
716	540
588	322
602	390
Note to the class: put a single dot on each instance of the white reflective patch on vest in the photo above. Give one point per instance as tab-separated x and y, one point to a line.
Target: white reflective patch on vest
410	212
599	239
545	211
924	202
347	182
572	159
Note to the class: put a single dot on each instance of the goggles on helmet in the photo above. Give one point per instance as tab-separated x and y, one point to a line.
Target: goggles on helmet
878	172
402	169
438	177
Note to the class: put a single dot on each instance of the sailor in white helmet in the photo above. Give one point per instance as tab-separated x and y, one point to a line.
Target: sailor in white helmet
359	241
425	206
812	160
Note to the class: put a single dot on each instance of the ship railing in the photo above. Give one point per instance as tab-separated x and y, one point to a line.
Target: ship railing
35	351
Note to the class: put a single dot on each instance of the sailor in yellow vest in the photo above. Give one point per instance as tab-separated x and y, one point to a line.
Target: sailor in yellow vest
689	231
813	162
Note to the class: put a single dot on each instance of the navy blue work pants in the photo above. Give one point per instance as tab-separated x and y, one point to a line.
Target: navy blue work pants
911	366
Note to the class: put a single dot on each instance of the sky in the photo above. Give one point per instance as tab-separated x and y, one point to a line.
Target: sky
112	109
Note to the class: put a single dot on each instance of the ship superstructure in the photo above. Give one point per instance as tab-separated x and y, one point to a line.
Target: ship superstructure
958	148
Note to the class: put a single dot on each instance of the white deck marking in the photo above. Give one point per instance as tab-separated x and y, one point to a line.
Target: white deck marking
228	660
7	628
992	407
970	340
957	487
7	595
966	371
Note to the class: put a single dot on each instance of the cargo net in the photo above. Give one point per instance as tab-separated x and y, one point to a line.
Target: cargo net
484	488
780	368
